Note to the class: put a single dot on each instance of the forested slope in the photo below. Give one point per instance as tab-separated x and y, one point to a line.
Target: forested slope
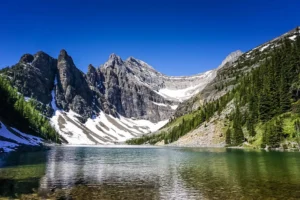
263	84
21	114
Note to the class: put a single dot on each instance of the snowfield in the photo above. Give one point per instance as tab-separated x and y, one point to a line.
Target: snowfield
194	84
11	138
102	129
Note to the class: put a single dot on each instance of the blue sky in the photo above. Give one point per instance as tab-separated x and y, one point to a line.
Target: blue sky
177	37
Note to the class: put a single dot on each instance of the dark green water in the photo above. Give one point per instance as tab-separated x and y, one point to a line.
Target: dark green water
150	173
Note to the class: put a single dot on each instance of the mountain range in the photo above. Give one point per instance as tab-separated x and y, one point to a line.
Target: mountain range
121	99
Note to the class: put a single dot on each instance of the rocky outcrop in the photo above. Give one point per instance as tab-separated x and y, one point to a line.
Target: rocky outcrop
72	91
130	96
131	88
26	58
232	57
34	76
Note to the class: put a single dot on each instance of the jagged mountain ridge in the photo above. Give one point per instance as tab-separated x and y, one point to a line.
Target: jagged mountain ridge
221	84
130	95
212	132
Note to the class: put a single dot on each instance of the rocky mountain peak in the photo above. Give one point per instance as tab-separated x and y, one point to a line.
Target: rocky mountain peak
113	56
41	53
63	53
135	61
113	60
65	61
91	68
137	64
26	58
233	56
131	61
92	75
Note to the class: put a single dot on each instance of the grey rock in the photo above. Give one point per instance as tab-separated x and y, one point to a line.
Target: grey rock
130	96
73	91
34	77
131	88
26	58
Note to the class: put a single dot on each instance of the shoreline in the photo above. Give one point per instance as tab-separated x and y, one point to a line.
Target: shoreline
47	146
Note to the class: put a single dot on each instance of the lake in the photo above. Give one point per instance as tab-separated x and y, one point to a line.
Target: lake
90	172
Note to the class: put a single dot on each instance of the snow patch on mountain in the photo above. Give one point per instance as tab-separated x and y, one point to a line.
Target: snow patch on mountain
191	88
102	129
174	107
11	138
264	47
53	103
181	94
160	104
293	37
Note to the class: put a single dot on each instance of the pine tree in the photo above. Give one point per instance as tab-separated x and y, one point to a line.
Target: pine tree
238	135
228	137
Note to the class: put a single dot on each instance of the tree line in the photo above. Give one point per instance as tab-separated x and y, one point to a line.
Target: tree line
267	91
22	114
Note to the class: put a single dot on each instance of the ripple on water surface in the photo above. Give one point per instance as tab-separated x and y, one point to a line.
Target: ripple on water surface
82	172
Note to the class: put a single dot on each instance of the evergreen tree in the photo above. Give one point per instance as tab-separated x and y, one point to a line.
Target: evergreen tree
23	115
238	135
228	137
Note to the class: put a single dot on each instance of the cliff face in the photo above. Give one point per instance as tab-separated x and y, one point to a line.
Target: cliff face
138	90
33	76
129	92
72	89
118	90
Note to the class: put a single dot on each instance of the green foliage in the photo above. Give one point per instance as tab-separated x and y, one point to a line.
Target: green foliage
273	134
23	115
269	91
238	135
296	107
297	131
228	137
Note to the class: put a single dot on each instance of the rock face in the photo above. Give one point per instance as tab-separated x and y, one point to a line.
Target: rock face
129	96
122	98
72	91
34	76
232	57
138	90
131	87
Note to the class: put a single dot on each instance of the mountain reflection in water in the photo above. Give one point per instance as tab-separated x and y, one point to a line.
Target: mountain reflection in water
150	173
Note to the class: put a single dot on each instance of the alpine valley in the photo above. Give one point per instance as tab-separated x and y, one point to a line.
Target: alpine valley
250	99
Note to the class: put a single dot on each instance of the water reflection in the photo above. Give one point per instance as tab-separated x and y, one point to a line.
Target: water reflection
151	173
238	174
21	173
136	173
